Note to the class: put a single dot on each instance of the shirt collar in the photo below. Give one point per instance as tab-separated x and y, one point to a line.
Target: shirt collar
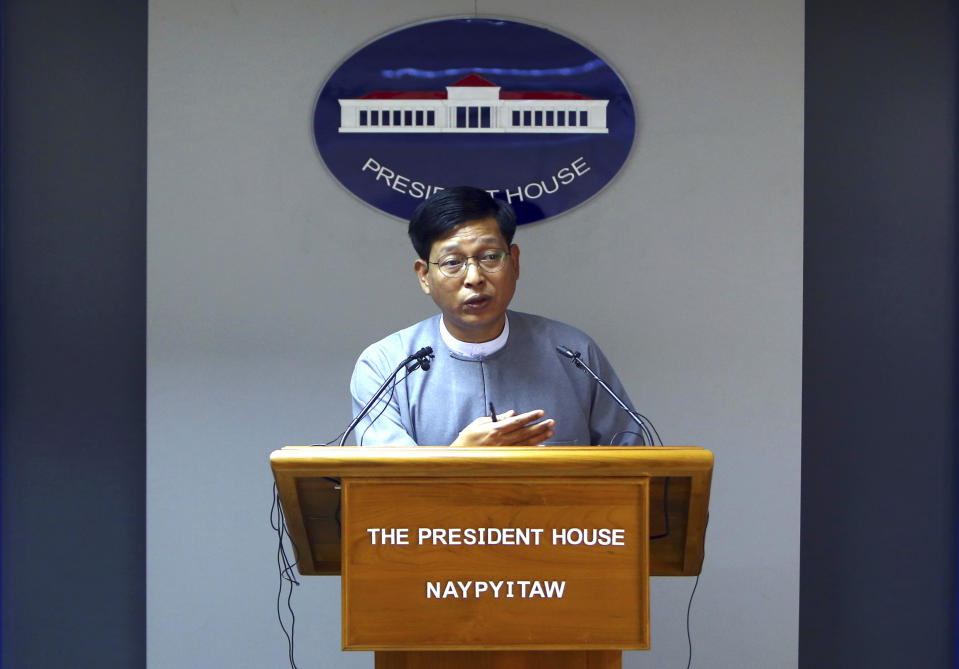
470	350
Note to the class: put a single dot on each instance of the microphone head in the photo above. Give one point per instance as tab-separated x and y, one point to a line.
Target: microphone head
568	353
423	357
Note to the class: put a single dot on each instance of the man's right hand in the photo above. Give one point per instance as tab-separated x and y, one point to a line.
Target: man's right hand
510	429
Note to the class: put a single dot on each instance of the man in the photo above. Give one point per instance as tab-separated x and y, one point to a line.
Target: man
486	355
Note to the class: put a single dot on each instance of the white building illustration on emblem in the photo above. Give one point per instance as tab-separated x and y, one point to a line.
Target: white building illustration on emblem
473	104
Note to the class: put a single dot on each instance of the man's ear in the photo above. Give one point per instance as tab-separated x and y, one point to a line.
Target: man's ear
514	258
422	269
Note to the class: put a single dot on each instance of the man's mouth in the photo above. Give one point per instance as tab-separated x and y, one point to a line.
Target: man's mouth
476	302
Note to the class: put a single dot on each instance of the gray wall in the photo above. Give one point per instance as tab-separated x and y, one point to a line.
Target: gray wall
257	310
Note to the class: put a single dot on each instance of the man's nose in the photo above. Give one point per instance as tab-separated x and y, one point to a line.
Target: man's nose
474	274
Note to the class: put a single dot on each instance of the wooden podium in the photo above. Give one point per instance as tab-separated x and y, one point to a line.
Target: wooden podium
496	557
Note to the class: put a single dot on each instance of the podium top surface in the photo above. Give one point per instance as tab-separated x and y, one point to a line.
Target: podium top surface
308	480
499	461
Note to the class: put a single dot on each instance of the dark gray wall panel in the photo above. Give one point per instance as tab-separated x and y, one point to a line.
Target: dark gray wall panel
73	290
879	434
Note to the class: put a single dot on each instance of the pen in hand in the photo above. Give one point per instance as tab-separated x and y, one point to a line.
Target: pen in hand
492	412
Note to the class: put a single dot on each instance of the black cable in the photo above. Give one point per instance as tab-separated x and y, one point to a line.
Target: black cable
665	510
329	443
360	442
645	425
289	606
285	575
689	607
647	437
339	503
385	402
665	481
419	359
648	422
285	567
336	517
689	636
616	436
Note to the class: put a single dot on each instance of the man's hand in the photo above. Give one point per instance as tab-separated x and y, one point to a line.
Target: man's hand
510	429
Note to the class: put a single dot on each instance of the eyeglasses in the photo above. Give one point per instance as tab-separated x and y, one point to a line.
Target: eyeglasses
455	264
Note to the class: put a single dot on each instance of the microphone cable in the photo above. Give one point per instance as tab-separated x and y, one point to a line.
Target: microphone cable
642	421
689	636
422	359
386	403
329	443
577	359
665	532
689	607
647	436
285	567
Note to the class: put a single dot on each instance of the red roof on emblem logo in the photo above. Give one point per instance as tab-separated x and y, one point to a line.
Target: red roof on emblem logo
473	80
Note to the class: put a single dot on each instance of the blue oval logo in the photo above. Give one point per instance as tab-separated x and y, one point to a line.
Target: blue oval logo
530	115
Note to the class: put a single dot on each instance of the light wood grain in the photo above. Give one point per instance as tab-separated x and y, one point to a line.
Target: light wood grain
605	603
494	461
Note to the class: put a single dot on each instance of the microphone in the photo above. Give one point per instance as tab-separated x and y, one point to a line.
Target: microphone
577	359
420	359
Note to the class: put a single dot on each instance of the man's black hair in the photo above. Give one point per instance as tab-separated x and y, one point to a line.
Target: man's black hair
446	209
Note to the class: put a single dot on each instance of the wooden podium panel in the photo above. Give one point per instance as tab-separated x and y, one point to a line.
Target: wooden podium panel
396	596
478	563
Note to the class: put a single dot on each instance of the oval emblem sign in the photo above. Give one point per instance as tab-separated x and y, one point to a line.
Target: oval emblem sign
533	117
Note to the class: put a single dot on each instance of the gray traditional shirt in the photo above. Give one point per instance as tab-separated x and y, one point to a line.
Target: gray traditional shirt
429	408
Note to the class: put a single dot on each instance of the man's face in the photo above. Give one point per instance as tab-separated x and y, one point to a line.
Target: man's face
474	304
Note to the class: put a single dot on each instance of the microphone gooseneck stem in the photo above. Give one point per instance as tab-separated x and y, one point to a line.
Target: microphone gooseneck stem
577	359
366	409
422	358
583	366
